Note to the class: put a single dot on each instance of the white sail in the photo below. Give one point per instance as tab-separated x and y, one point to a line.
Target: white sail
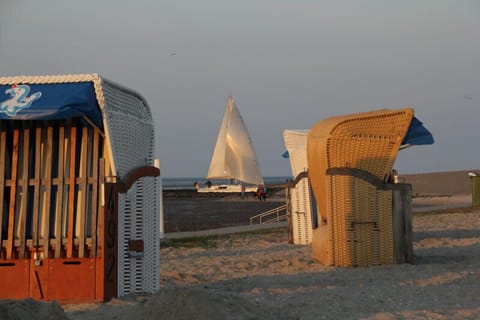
234	156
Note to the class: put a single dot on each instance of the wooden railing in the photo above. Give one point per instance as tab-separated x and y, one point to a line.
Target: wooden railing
271	216
49	189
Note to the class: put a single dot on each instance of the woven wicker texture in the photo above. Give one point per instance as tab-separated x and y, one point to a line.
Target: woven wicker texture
130	129
301	212
355	215
139	273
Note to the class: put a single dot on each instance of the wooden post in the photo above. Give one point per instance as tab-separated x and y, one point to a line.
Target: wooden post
60	186
110	249
13	195
36	191
3	143
399	227
47	184
402	223
24	200
95	183
407	214
99	250
71	193
288	203
82	194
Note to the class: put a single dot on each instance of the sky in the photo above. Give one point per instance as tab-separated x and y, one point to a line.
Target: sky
287	64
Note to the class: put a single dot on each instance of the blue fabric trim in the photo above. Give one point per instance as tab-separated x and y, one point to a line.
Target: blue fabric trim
50	102
417	134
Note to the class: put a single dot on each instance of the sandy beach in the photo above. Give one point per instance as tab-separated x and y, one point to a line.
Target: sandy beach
259	275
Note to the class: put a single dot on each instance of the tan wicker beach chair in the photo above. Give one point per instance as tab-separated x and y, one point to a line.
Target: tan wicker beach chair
349	158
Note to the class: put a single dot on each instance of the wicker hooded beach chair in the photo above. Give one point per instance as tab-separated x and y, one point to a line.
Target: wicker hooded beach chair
349	159
299	200
79	190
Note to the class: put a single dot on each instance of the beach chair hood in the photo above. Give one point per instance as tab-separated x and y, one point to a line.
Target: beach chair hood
122	115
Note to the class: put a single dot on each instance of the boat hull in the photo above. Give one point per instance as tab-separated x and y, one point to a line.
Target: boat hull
226	188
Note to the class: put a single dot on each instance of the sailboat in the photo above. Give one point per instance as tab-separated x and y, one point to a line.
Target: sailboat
233	158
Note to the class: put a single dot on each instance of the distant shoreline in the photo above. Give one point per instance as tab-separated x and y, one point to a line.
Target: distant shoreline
445	183
186	183
192	192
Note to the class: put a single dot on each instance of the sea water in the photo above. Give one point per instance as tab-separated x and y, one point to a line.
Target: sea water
187	183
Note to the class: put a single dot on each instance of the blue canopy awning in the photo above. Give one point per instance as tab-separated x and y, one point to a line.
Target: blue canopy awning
417	134
50	102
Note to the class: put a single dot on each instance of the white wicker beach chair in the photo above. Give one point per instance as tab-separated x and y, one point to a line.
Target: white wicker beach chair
299	195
